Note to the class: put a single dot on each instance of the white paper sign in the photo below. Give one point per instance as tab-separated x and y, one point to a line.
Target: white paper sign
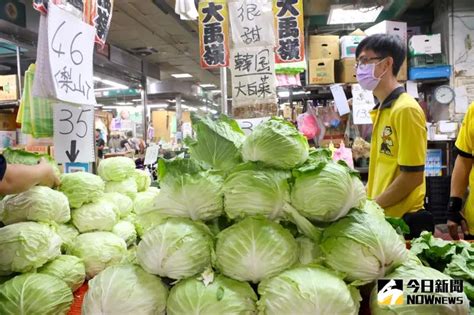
151	155
412	89
73	133
340	99
251	23
70	53
248	125
362	104
461	100
253	76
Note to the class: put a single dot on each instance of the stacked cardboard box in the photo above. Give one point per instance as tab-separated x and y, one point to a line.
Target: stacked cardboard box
426	58
324	50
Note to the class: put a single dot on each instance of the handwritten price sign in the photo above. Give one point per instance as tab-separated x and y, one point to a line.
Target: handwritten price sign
73	133
70	50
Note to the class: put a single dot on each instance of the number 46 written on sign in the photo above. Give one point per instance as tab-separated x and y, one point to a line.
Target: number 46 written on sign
73	133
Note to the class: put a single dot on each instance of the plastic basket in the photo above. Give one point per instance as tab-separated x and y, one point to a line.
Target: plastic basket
79	294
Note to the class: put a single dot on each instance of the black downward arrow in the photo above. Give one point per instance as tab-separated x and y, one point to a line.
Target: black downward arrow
72	156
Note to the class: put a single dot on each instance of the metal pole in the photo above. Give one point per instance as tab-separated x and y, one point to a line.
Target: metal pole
223	72
145	103
179	113
18	66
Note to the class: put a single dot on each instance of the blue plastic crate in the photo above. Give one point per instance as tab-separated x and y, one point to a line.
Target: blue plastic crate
435	72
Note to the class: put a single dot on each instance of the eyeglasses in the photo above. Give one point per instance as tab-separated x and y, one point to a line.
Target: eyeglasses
365	61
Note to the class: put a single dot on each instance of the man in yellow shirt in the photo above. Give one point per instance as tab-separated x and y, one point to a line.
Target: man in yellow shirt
399	138
463	176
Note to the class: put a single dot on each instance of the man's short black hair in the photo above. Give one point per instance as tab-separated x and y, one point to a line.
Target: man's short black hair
385	45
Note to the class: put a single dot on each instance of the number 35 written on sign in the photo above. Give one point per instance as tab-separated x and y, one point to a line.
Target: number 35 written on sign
73	133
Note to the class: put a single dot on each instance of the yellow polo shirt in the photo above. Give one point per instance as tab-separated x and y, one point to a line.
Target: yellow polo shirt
399	143
465	146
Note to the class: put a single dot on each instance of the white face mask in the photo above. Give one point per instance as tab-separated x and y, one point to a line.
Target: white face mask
366	76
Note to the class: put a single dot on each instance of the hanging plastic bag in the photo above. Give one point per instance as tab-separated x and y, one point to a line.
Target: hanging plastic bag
344	154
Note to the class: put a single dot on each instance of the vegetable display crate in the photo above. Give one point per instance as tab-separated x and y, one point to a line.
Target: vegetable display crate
79	294
434	72
428	60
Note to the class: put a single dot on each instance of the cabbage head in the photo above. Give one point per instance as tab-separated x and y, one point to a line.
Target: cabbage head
123	203
126	231
255	249
276	143
26	246
146	221
252	191
143	180
222	296
196	195
98	250
309	251
307	290
411	271
177	249
98	216
67	233
68	268
35	294
362	246
327	192
217	143
144	202
16	156
116	169
125	289
39	203
128	187
81	188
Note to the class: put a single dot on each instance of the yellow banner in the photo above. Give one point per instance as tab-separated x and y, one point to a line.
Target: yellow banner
289	26
214	34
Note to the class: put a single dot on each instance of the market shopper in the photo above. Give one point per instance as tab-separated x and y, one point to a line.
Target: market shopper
463	176
399	141
100	144
17	178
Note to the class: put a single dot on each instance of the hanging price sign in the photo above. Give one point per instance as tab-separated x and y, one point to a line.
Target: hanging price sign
73	133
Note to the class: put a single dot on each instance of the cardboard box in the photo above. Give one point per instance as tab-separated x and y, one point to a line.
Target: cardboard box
7	122
424	44
324	46
349	45
8	89
345	71
321	71
389	27
403	74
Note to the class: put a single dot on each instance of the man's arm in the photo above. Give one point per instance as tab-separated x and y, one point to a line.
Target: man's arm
400	188
19	178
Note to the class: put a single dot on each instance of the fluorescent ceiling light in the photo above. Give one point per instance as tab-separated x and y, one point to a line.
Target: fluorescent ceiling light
213	111
181	75
158	106
287	93
349	14
97	79
203	108
109	107
137	100
207	85
215	91
105	89
114	84
124	103
171	101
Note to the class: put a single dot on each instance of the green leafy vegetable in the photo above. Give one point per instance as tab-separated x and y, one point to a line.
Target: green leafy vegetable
255	249
97	216
307	290
147	221
127	187
362	246
123	204
277	143
143	180
15	156
81	188
39	203
116	169
68	268
125	289
98	250
67	233
327	192
35	294
218	142
126	231
177	249
144	202
26	246
221	296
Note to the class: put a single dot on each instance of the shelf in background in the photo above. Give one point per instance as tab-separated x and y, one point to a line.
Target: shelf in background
362	170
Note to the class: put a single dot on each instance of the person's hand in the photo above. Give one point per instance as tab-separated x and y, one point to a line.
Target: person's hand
47	176
454	221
